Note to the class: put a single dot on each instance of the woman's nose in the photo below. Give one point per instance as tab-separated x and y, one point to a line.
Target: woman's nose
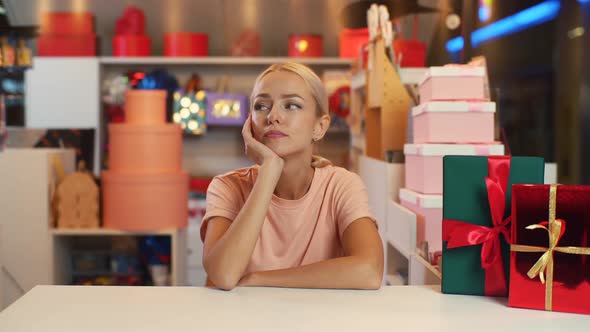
274	116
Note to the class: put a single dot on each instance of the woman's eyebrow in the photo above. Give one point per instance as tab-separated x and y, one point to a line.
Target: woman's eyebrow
292	95
285	96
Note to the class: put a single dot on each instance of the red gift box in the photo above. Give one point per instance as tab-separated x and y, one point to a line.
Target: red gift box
186	44
351	41
132	22
66	45
305	46
410	53
67	23
131	45
549	263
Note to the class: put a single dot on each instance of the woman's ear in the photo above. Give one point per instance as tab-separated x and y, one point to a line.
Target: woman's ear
321	126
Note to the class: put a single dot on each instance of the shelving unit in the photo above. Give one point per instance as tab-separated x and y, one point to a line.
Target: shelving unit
65	241
221	61
107	232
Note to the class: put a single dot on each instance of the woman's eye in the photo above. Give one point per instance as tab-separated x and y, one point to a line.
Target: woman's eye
261	107
292	106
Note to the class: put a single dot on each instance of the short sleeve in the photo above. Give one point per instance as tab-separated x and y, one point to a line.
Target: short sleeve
223	200
351	201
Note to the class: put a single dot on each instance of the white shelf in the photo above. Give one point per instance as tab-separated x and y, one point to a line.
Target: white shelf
358	80
411	75
221	60
395	280
408	75
422	272
106	232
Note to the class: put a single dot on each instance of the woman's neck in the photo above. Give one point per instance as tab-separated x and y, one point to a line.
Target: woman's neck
295	179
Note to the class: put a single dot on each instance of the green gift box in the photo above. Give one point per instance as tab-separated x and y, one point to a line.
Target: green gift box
476	210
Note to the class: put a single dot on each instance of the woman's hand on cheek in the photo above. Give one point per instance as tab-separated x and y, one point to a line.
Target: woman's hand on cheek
258	152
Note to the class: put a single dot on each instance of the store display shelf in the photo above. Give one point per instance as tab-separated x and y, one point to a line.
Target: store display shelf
358	80
105	274
408	75
107	232
422	272
222	60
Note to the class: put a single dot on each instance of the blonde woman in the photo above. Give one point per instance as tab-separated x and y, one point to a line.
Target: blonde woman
283	222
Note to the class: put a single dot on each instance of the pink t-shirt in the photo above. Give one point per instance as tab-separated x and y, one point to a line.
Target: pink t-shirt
295	232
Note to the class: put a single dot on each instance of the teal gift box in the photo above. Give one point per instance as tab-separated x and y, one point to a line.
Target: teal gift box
476	211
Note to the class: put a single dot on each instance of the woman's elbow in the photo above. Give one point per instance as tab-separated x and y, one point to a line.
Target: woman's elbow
373	276
219	278
375	282
225	285
223	282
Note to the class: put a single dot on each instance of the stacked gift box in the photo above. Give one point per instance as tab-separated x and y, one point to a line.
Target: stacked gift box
145	188
454	117
503	232
67	34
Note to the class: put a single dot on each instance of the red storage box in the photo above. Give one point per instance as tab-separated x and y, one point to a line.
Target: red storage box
305	46
66	45
351	41
131	45
412	52
67	23
186	44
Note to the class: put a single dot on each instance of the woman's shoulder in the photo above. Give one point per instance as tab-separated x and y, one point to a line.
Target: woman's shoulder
339	176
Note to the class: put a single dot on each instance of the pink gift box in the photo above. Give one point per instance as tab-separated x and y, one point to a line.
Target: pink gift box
454	122
428	228
453	83
424	162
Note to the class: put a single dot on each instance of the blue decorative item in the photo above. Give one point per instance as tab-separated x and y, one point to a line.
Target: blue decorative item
155	250
160	80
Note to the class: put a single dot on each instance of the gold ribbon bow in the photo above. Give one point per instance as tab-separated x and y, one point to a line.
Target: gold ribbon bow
545	264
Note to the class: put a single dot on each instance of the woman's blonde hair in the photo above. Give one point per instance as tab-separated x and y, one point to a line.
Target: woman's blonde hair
313	82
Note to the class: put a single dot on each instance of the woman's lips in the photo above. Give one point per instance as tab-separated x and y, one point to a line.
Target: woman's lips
275	134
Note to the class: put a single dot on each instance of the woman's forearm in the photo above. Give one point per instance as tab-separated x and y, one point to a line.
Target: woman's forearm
352	272
228	259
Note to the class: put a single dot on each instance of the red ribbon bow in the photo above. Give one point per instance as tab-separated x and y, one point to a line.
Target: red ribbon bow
462	234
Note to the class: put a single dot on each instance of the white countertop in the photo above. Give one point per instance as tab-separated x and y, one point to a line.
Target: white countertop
175	309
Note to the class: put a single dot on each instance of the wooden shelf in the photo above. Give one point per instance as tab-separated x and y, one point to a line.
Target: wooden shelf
222	61
106	232
422	272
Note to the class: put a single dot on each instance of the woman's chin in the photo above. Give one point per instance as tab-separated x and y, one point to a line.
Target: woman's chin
287	152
